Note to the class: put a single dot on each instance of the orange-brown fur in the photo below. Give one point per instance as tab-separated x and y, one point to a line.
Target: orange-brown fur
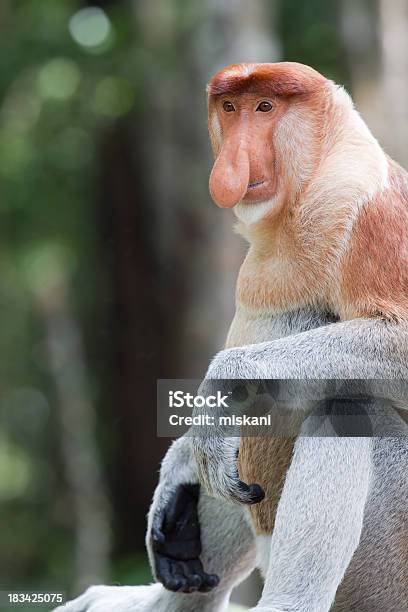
270	472
375	270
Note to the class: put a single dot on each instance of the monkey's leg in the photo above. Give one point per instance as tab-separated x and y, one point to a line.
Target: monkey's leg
153	598
189	534
318	523
227	549
376	579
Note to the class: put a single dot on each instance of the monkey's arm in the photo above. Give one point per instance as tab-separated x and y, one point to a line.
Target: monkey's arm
363	348
360	348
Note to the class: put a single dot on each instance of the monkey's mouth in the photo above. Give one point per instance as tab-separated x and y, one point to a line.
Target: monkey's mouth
255	184
259	191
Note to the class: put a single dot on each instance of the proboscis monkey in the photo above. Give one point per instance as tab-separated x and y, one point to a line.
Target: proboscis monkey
322	293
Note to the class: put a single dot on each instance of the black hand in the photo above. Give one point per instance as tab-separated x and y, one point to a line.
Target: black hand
177	545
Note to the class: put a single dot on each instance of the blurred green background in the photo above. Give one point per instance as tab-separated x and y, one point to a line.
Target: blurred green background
115	267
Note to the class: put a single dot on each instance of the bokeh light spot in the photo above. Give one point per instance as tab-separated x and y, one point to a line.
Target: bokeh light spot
15	473
90	27
47	266
59	79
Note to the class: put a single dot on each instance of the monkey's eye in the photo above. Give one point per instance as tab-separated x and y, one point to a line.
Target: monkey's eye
264	107
228	107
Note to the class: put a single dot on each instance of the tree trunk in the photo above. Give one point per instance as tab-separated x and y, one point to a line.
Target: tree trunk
394	76
82	464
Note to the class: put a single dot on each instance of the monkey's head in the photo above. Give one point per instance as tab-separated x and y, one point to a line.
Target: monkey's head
265	123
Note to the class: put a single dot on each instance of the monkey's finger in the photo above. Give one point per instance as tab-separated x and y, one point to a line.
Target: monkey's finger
211	582
176	576
163	572
180	581
166	575
197	578
193	573
248	494
184	576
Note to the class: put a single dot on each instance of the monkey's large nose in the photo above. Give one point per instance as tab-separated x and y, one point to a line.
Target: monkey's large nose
230	176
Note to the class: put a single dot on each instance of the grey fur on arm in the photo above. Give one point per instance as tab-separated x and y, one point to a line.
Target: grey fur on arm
358	349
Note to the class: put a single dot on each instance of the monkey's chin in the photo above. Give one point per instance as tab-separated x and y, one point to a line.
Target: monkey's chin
252	212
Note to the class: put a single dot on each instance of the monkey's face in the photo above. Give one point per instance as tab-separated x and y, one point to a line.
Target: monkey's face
262	123
244	168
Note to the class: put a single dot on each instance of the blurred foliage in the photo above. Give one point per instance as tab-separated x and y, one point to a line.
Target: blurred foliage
310	33
66	74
